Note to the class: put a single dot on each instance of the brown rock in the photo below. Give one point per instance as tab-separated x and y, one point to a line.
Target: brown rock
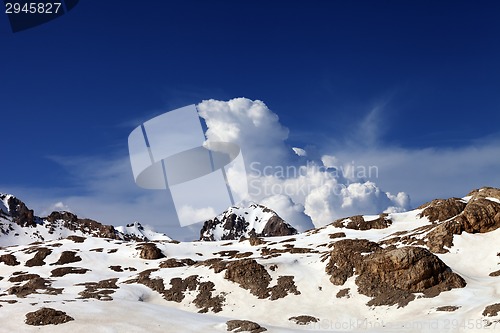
38	259
244	326
217	264
76	239
87	226
480	215
343	293
492	310
345	256
9	259
62	271
448	308
337	235
254	241
99	290
303	320
276	226
249	275
47	316
206	301
23	277
390	276
67	257
178	286
357	222
34	285
116	268
440	210
284	286
172	263
485	192
495	273
149	251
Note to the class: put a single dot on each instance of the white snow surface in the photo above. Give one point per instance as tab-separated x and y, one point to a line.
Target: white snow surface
137	308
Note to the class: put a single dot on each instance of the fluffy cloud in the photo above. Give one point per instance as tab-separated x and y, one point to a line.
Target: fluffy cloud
316	192
250	124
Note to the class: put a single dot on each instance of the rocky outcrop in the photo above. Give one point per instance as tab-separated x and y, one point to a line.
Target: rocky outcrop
39	257
391	275
249	275
47	316
249	222
244	326
492	310
357	222
440	210
149	251
19	213
346	255
303	319
9	259
67	257
479	215
86	226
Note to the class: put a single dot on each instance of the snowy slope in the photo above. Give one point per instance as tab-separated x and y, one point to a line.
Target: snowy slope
226	280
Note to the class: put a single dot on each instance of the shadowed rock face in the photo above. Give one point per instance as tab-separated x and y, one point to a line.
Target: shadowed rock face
20	214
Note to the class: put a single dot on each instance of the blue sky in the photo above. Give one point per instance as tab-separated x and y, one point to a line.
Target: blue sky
416	80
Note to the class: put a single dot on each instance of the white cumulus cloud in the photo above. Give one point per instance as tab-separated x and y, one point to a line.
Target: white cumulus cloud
317	191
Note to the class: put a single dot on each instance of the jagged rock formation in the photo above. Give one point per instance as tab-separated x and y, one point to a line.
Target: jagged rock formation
19	225
252	221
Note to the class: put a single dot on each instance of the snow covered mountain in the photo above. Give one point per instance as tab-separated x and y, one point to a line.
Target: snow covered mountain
251	220
19	226
433	269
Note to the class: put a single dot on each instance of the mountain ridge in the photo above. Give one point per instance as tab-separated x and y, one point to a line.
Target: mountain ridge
403	271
